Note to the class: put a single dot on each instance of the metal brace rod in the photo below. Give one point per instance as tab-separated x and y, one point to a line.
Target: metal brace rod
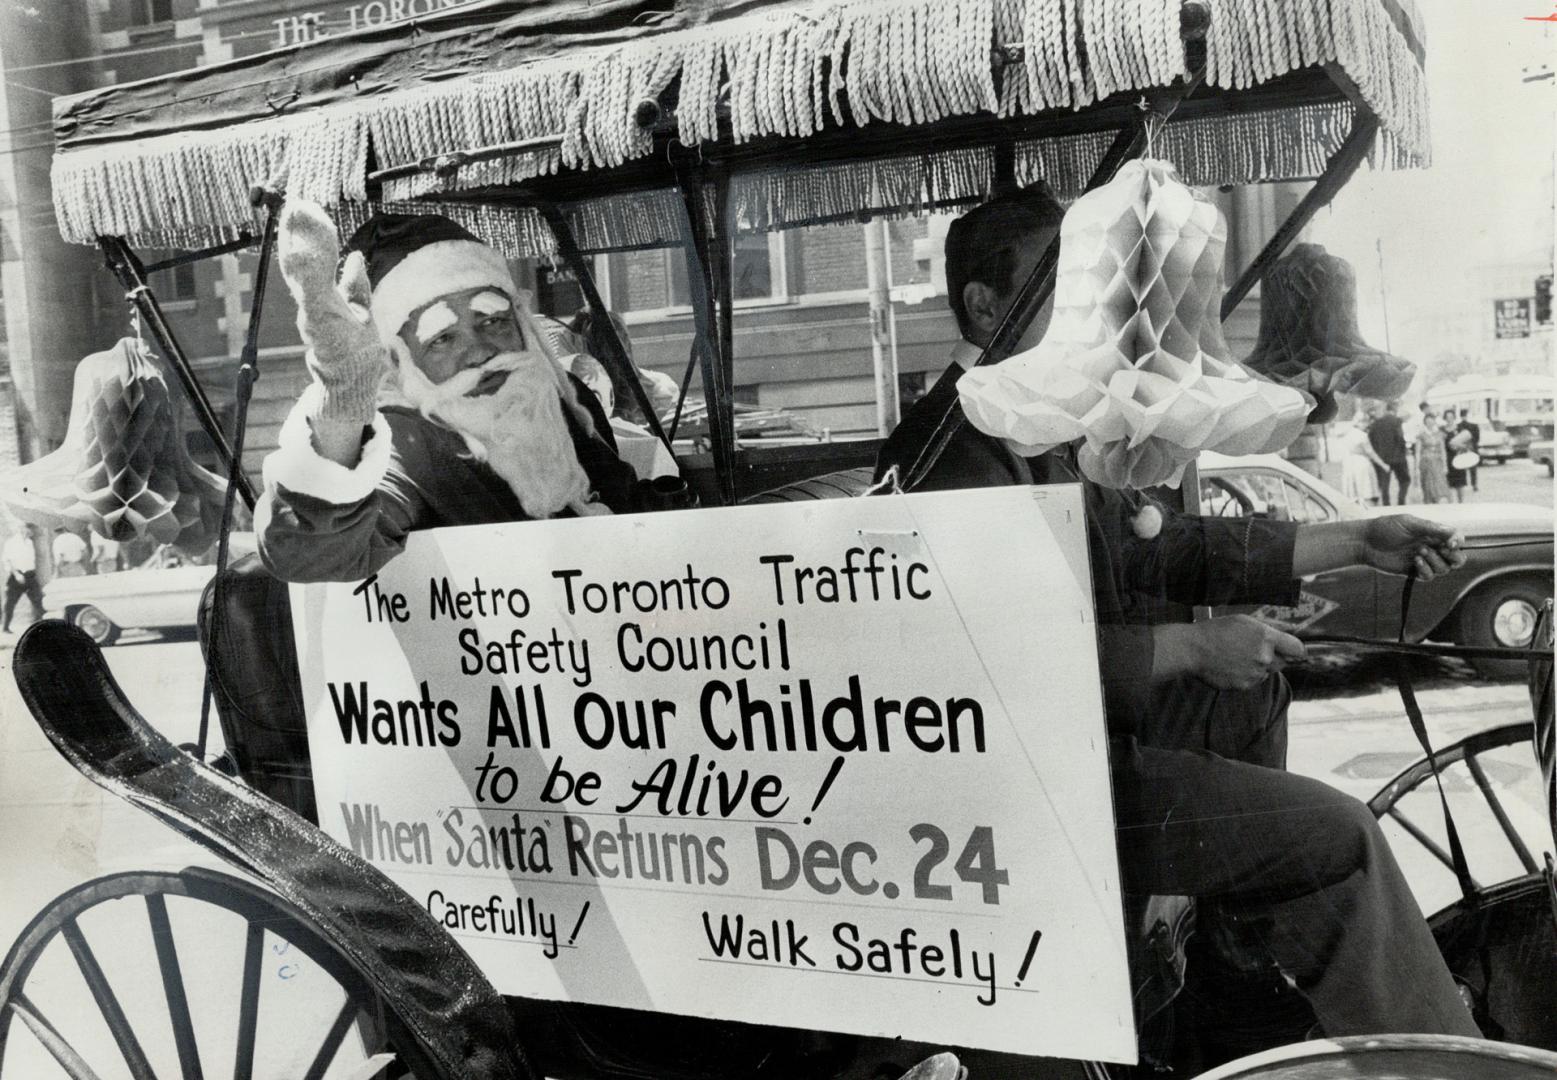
448	163
132	276
244	241
697	242
617	360
1338	170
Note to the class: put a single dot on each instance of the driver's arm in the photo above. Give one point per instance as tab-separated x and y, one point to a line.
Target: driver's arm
1210	561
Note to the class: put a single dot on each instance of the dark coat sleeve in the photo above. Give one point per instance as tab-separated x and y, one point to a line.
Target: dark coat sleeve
1213	561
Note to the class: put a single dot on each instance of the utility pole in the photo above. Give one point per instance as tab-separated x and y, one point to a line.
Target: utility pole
1378	245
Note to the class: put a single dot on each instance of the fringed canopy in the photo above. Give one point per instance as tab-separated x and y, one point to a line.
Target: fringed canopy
901	88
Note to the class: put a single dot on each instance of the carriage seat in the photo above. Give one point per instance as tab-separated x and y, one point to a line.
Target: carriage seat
255	683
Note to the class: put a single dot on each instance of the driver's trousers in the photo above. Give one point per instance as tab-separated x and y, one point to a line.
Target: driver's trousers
1209	811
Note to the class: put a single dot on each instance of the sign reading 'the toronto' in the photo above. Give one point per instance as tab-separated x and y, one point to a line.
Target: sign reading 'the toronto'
304	26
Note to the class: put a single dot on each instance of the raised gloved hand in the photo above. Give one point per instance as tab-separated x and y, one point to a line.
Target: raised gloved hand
345	354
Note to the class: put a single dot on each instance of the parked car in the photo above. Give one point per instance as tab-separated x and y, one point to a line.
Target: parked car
1493	600
163	594
1541	454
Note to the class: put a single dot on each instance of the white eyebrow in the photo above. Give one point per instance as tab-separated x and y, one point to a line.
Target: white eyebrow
434	321
490	303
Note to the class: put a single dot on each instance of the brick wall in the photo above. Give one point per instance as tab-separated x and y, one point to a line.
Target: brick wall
829	258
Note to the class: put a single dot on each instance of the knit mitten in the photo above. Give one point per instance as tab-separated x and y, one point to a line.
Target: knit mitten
345	355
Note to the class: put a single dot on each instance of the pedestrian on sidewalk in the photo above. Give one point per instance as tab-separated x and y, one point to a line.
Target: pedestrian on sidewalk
21	565
1432	461
1388	439
1474	429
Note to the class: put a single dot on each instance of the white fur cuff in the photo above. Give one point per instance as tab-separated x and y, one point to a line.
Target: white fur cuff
298	467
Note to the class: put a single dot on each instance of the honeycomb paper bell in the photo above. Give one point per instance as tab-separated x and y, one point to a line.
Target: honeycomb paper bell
1309	337
122	469
1134	361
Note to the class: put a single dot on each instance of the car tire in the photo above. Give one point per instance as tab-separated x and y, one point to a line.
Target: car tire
94	624
1502	613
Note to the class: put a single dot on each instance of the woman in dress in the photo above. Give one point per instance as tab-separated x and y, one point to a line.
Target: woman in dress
1455	442
1358	478
1432	460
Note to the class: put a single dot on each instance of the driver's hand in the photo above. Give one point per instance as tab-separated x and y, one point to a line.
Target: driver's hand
1238	652
1399	542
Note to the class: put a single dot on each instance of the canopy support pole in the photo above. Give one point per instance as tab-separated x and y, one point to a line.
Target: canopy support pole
698	236
132	276
722	270
616	360
243	393
1338	170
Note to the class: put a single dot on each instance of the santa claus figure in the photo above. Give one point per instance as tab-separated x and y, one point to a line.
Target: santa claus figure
435	401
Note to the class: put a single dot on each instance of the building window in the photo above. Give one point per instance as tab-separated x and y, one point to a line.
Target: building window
175	284
150	12
557	292
657	280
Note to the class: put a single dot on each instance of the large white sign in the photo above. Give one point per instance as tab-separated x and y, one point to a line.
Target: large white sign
835	765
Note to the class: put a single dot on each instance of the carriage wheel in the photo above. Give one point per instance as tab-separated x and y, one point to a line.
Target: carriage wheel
1389	1057
1468	750
135	902
1499	939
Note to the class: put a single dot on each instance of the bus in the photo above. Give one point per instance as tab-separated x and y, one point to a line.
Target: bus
1520	405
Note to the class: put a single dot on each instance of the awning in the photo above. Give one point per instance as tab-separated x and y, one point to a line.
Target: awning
169	161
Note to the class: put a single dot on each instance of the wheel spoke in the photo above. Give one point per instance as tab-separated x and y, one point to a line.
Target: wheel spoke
248	1004
107	1003
1421	837
332	1040
51	1039
1515	840
173	986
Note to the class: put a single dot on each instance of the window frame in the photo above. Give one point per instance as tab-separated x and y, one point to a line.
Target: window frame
143	14
778	272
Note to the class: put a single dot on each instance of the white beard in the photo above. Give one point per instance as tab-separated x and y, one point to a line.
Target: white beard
520	430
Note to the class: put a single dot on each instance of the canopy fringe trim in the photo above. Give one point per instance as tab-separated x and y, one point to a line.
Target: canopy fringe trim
787	73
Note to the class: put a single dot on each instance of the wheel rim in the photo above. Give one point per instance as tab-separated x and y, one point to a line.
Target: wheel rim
269	922
1513	623
94	624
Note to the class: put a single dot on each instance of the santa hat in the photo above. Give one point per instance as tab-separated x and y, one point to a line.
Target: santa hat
413	259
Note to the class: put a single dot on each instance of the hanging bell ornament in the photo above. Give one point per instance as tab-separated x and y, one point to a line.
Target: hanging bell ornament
1309	337
1134	362
123	470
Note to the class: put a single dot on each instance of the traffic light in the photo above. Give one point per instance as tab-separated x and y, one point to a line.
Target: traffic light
1543	299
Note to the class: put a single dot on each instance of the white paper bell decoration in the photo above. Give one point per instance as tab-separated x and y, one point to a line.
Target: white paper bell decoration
1134	362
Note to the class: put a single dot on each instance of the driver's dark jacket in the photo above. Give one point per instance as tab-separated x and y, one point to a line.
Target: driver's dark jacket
1192	561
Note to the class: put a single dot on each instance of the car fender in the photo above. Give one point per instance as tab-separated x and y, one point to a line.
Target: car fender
1490	574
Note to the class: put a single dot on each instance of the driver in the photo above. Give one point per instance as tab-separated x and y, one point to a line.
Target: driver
435	401
1197	711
